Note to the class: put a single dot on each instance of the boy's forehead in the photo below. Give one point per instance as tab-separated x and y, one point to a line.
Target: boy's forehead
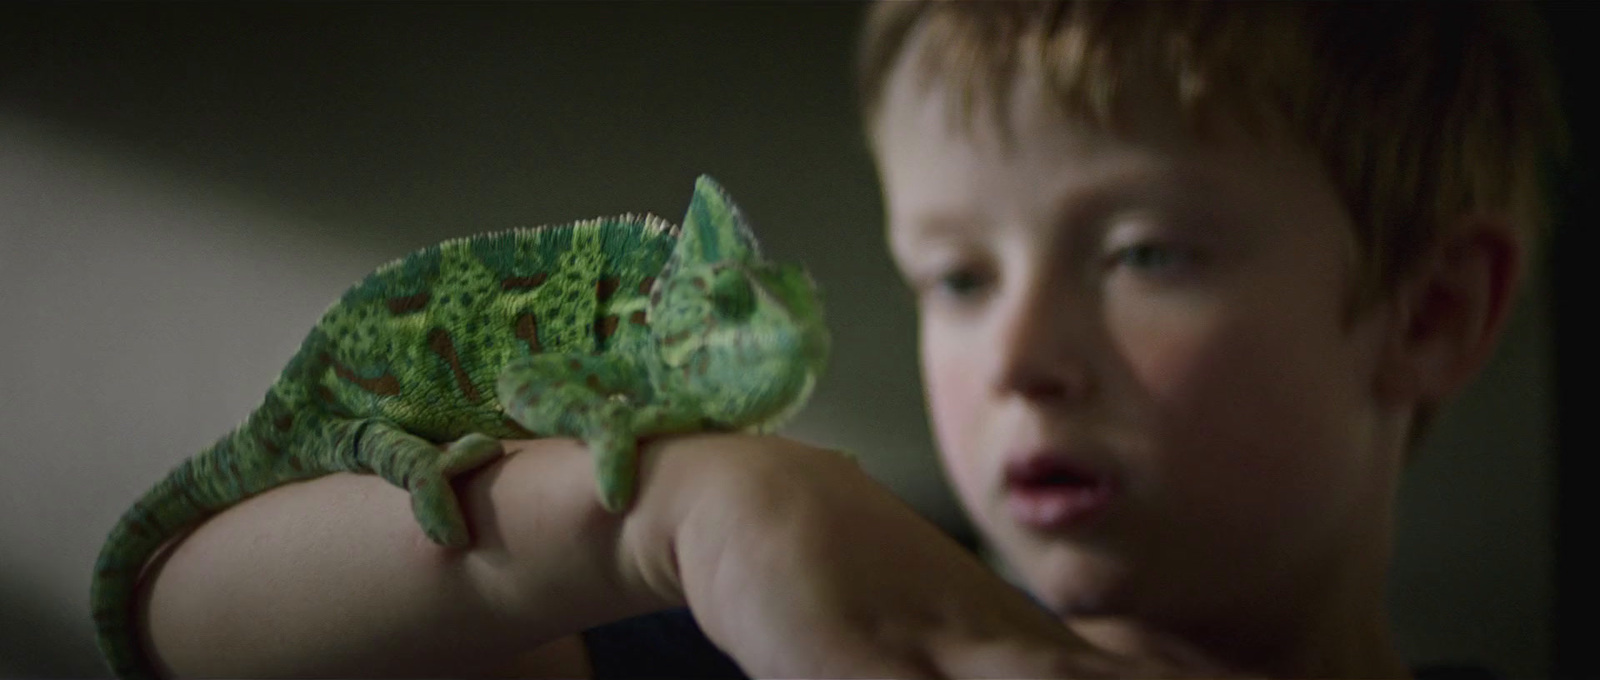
944	173
933	158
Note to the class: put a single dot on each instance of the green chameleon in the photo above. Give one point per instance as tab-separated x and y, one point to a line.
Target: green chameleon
606	330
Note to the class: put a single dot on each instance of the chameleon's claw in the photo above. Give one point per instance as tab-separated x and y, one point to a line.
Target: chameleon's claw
615	501
436	508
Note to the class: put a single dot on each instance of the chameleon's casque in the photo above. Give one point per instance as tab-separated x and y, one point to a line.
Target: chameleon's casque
606	330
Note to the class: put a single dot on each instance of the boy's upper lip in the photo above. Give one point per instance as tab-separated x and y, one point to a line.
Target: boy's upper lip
1031	465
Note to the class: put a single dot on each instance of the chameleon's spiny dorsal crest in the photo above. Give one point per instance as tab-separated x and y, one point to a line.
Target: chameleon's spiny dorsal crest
606	329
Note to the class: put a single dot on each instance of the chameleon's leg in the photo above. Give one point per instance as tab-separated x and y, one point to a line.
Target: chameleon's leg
615	448
588	397
416	465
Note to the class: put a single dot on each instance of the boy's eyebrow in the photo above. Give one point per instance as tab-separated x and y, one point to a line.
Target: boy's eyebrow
929	224
1088	200
929	227
1164	189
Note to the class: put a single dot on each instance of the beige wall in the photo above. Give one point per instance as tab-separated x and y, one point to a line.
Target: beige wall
181	194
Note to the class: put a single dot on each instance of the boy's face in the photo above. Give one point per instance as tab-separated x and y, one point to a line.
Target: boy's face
1134	358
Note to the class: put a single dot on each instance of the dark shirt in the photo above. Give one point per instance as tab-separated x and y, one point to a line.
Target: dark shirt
670	644
666	644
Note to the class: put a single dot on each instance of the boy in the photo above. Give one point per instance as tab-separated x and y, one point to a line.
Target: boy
1192	280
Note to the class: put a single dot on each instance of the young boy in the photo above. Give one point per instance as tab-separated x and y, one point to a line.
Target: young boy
1192	280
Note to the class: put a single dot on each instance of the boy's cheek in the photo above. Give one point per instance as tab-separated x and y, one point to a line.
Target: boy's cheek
954	392
1239	405
1169	355
952	402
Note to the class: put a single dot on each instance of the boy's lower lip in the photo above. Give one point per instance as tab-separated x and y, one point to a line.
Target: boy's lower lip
1058	507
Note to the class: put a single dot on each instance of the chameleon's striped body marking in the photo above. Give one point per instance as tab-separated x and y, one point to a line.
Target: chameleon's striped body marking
606	329
441	323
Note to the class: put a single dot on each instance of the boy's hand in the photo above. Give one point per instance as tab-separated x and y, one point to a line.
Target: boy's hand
800	565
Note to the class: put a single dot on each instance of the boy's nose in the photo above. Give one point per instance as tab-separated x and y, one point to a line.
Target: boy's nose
1039	345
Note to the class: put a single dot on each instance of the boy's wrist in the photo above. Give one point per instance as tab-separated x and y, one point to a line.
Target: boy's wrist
698	496
612	566
546	555
647	556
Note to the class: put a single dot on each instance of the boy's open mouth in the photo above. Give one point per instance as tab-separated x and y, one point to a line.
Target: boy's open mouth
1053	493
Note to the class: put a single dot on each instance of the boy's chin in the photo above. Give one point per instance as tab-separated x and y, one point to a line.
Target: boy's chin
1070	580
1081	600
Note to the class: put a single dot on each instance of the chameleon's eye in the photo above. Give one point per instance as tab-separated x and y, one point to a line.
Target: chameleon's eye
731	294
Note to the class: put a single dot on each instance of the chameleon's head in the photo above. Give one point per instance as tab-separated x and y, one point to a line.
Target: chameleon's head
743	337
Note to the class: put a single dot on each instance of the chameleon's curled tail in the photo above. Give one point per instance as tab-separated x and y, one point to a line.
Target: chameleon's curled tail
166	511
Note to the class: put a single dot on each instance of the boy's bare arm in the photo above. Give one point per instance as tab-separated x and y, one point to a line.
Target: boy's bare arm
332	577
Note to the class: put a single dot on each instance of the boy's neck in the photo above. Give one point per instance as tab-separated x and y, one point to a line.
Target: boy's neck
1330	620
1348	640
1366	652
1342	631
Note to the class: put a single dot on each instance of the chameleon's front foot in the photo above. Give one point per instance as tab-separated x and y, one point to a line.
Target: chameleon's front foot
588	397
616	468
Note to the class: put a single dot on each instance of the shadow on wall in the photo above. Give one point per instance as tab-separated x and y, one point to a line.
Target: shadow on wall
39	639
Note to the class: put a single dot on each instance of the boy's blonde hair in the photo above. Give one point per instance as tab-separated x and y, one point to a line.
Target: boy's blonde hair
1422	113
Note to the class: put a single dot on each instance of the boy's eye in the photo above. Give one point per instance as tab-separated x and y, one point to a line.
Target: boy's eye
960	283
1153	258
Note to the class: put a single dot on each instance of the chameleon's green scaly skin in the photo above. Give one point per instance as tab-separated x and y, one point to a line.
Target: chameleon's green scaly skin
606	330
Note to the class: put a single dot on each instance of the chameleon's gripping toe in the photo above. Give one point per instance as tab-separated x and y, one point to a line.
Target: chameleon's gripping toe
616	468
433	499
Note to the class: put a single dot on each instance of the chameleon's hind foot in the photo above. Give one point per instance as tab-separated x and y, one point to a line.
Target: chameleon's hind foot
434	503
433	499
469	453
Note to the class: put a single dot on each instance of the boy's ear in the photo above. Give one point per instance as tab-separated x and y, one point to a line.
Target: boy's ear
1450	314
